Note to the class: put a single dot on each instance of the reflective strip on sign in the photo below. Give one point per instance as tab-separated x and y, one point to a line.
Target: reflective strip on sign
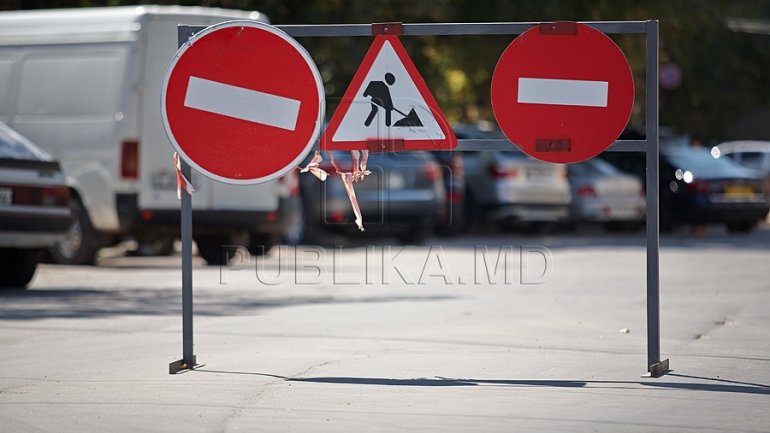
240	103
563	92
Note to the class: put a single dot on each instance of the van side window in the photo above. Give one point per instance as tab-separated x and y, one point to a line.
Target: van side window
83	84
6	71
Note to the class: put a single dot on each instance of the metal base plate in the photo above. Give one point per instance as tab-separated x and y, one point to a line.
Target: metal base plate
182	366
657	370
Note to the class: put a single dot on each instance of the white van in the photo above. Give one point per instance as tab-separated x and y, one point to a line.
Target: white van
85	85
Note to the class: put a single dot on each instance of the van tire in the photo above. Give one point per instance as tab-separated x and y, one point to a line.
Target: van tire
17	267
261	244
210	248
82	241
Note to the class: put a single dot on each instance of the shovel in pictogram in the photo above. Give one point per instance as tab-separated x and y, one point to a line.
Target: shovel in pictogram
410	119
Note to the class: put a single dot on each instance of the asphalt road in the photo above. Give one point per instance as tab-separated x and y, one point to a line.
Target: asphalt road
376	339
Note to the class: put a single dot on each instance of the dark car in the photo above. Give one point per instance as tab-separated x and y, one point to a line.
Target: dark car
403	196
34	207
696	188
754	155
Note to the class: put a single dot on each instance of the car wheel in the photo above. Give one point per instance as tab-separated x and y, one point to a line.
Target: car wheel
162	246
260	244
471	214
622	226
17	267
667	221
741	226
82	242
529	227
456	223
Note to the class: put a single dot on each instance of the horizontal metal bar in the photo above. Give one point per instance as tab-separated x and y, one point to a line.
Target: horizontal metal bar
476	144
628	146
457	29
471	144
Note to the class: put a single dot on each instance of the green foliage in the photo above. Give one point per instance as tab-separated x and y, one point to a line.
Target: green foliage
724	72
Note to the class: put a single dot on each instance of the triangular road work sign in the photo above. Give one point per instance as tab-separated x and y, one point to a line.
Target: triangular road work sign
388	106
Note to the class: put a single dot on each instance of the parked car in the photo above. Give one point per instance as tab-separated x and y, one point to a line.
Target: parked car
697	188
34	207
754	155
601	193
85	84
510	187
403	196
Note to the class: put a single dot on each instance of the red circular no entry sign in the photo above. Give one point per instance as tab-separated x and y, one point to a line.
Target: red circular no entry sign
242	102
562	92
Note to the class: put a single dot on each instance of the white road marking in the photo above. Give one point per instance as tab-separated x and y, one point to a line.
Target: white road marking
240	103
563	92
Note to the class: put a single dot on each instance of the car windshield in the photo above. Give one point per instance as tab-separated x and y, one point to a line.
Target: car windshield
700	161
752	159
14	146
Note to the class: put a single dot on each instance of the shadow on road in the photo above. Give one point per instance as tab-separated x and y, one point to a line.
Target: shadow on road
77	302
723	385
759	240
748	388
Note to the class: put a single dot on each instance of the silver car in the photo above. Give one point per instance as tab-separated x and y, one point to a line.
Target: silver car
602	193
34	207
510	187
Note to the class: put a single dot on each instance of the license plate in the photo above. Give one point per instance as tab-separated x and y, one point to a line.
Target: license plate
739	190
6	196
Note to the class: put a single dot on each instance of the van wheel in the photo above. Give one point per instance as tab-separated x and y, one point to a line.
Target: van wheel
81	244
17	267
210	248
260	244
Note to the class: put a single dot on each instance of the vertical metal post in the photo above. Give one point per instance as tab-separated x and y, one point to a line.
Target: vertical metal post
655	367
188	355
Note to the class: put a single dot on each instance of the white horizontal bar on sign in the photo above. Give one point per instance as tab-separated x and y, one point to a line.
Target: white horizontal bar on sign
241	103
563	92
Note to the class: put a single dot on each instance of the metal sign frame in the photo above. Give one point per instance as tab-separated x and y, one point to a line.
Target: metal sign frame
650	145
